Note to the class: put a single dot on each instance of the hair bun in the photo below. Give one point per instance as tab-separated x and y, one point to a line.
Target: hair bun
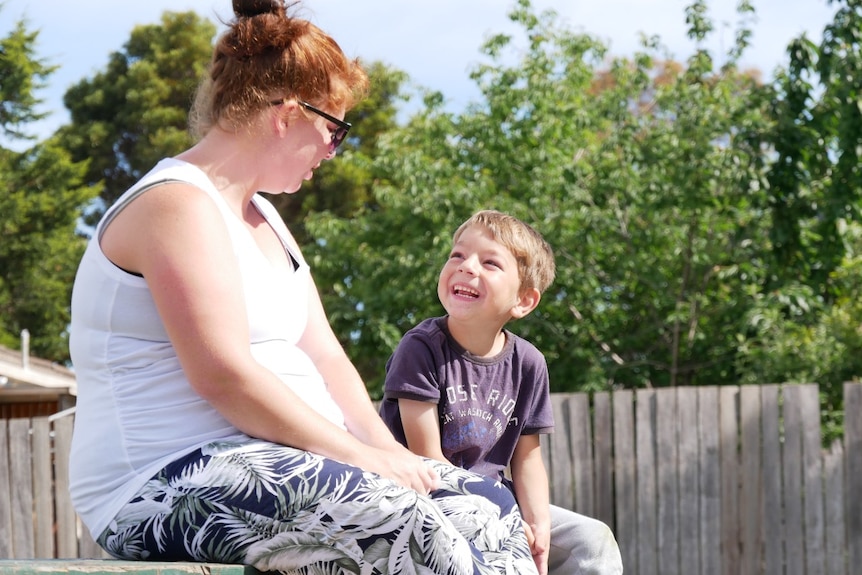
251	8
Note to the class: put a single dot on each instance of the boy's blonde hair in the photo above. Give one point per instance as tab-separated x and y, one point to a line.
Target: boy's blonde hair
536	267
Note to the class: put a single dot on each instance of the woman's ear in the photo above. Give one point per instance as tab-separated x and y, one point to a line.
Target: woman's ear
283	117
528	299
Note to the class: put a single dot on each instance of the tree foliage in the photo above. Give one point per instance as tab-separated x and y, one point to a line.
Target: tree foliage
657	183
135	112
41	196
807	323
22	74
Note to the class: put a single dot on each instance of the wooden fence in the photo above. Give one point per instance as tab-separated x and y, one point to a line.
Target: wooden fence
36	515
714	480
706	480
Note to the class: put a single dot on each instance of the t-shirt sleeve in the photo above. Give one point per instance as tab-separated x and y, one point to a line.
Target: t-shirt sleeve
541	416
411	372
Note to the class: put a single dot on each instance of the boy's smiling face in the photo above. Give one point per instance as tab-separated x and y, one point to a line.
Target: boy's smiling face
480	280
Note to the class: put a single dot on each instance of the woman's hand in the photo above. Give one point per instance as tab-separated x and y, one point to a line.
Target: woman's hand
405	468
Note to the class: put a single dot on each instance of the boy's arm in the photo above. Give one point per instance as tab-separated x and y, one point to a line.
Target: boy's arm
530	480
421	428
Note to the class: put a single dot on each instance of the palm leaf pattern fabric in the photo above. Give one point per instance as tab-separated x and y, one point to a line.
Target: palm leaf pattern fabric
288	510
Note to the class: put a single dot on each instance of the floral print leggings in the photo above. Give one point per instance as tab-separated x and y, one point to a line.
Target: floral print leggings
283	509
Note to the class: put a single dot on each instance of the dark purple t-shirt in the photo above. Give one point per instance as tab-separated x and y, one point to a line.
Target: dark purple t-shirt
484	404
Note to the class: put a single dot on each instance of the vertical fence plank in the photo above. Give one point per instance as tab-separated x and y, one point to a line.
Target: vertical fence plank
812	476
689	487
603	455
710	481
625	479
772	527
853	474
89	549
20	455
582	453
836	540
749	494
667	468
646	469
67	521
5	493
43	495
562	488
794	550
729	457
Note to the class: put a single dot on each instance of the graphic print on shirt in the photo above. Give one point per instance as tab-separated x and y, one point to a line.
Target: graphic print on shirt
473	420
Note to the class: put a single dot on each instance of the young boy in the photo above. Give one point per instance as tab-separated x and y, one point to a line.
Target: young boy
461	389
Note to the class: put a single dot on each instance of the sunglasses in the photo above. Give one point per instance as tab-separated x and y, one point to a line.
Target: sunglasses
338	134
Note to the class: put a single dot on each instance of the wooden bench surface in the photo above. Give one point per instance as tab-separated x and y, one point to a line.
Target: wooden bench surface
113	567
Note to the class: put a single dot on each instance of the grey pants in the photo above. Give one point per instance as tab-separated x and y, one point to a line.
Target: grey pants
581	545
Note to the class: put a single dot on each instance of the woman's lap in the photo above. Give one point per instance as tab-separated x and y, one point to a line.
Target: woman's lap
284	509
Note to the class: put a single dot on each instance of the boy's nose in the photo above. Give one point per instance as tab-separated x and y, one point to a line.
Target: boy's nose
468	265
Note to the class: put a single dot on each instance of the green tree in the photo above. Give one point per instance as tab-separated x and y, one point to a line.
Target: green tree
41	197
806	324
135	113
642	174
817	138
22	74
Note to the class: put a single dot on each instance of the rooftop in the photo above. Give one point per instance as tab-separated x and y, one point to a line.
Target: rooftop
22	374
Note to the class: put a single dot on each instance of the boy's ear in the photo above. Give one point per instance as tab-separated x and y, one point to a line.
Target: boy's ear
527	302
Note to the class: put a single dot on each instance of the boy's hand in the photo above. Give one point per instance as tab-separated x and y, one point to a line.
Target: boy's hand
540	542
531	539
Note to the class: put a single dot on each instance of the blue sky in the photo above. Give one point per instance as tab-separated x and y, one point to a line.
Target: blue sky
436	43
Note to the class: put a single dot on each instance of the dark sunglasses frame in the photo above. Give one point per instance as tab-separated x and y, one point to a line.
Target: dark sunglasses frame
338	135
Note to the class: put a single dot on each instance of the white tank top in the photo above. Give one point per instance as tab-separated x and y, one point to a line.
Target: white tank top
136	411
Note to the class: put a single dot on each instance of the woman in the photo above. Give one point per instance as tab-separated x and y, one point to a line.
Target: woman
218	417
